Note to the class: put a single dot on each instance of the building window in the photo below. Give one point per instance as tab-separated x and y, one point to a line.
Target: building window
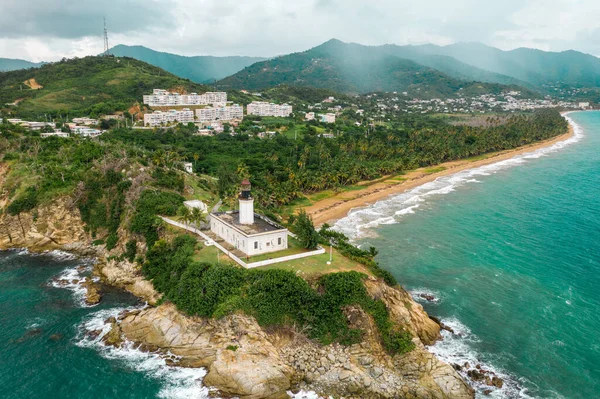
255	244
279	241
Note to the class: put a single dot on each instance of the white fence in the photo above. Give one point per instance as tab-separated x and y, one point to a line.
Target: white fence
210	241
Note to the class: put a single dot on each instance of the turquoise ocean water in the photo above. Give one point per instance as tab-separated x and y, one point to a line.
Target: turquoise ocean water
511	253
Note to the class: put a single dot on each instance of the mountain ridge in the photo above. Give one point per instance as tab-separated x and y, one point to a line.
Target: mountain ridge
200	69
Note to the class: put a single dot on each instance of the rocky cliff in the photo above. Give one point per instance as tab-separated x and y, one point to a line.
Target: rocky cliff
244	360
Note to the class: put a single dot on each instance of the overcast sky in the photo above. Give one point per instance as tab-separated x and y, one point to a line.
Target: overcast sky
47	30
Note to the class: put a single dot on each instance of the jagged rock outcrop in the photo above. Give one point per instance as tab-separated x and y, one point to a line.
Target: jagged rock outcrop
237	353
58	226
127	276
51	227
244	360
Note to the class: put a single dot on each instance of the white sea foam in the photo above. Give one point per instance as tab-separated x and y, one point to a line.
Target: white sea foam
73	279
361	221
420	294
458	348
176	382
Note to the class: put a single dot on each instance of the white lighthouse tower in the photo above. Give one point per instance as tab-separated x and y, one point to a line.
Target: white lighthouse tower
246	204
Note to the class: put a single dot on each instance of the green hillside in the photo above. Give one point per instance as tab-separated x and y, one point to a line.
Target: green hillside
10	64
85	86
200	69
353	68
530	65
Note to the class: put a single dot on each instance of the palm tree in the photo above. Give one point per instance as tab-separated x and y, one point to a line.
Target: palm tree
197	217
185	214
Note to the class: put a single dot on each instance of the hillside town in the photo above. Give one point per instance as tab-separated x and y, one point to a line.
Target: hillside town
212	113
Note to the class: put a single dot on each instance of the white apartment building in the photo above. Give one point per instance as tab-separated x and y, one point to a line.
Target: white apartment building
157	118
221	113
164	98
310	116
262	108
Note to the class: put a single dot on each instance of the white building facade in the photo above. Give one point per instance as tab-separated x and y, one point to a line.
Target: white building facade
221	113
262	108
248	232
164	98
158	118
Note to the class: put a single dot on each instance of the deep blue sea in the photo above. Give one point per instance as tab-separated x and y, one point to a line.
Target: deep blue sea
511	253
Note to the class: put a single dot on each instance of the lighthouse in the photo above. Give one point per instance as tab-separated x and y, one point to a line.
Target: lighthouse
246	202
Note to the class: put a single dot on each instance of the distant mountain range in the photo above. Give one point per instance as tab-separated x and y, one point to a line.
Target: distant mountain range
535	67
424	71
9	64
200	69
350	67
354	68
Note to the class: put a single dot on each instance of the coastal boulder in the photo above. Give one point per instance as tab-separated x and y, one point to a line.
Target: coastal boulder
237	353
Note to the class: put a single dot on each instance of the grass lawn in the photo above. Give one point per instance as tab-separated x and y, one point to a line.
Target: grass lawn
317	265
209	255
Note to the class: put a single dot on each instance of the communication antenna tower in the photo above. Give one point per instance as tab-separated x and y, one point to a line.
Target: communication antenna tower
106	50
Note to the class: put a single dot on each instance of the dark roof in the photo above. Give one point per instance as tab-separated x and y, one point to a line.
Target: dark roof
261	224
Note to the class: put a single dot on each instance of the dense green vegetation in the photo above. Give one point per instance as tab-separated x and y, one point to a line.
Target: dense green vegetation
352	68
273	297
283	169
89	86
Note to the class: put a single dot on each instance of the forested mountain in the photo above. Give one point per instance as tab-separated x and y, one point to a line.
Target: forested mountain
10	64
533	66
353	68
87	86
200	69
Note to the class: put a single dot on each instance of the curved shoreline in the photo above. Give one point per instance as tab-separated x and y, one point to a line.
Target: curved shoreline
339	206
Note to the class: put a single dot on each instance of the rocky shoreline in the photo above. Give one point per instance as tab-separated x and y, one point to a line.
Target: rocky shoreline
241	358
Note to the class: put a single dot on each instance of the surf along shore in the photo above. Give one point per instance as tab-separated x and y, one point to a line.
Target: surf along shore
338	206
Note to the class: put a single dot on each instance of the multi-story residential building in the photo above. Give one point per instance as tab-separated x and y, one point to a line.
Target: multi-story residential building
220	113
262	108
164	98
310	116
157	118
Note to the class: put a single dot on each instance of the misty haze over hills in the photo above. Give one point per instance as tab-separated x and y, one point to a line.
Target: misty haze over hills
355	68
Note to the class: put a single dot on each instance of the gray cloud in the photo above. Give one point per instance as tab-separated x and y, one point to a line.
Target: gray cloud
47	30
78	18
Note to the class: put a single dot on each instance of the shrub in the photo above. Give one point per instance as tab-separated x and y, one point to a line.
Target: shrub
274	297
305	230
130	250
150	204
24	203
169	179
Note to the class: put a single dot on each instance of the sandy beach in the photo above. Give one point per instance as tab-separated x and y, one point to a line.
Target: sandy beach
334	208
